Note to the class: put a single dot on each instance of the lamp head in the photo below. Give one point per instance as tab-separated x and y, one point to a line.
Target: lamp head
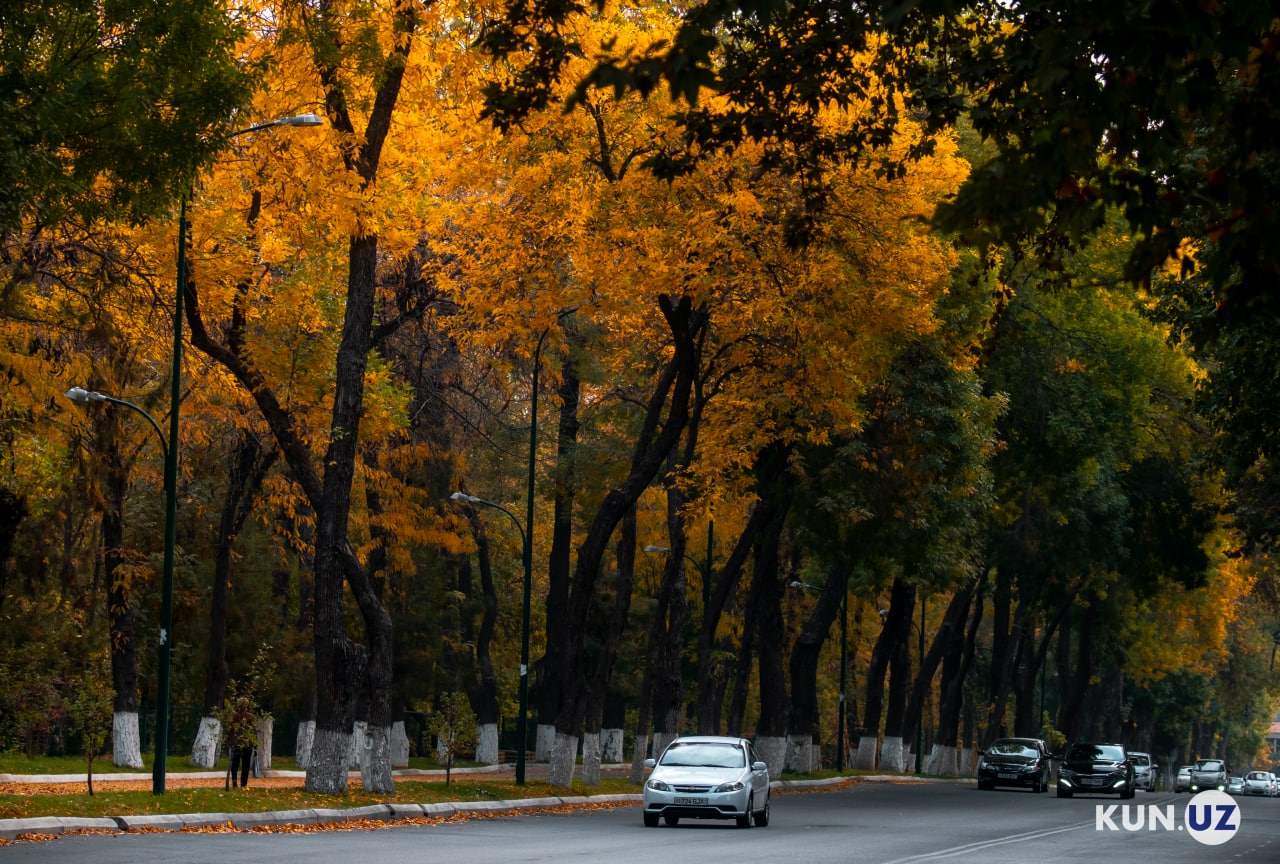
301	120
81	396
463	496
652	548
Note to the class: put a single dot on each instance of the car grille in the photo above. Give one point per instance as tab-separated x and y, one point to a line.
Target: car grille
694	789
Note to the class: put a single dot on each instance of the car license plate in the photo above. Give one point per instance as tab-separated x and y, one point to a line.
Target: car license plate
1007	776
1094	781
697	802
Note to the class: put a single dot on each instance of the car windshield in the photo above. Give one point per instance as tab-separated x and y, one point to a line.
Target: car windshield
1257	775
704	755
1209	765
1095	752
1140	759
1012	748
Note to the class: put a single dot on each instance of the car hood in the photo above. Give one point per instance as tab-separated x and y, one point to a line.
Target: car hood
1092	766
695	775
1007	759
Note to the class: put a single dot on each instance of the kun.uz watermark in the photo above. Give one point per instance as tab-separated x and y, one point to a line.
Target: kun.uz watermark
1211	817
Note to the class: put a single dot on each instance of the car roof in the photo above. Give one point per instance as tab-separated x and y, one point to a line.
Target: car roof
710	739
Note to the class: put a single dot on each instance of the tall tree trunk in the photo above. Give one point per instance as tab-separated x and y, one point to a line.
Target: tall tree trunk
548	692
667	629
126	741
805	727
894	632
767	589
957	660
1074	679
13	510
248	465
609	628
655	441
477	663
712	675
948	640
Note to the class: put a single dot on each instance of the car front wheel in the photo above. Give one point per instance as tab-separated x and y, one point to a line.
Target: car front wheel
651	820
762	816
744	821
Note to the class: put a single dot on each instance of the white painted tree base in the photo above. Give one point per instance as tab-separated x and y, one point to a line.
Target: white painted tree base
303	744
591	758
943	760
544	743
773	750
266	727
487	743
126	743
399	745
355	756
204	750
864	758
611	746
892	755
375	760
330	762
638	756
564	761
802	754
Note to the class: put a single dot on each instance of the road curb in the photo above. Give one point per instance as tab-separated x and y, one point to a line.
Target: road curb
12	829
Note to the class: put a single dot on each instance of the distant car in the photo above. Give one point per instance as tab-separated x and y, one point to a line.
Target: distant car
1209	774
1182	783
1015	762
1257	783
1235	786
1144	770
1096	769
707	777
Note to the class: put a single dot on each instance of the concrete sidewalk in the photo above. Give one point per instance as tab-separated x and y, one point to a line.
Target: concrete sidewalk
11	829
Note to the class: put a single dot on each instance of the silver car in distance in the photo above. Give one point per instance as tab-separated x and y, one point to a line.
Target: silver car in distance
707	777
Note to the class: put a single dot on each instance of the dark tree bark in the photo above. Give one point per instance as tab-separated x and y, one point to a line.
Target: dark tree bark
894	635
806	651
948	640
124	643
957	660
658	436
248	466
549	686
712	674
767	589
1074	679
477	662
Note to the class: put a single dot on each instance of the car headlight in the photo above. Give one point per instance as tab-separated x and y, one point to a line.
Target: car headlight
735	786
658	786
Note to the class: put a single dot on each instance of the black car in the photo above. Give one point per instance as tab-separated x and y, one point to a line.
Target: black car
1103	769
1015	762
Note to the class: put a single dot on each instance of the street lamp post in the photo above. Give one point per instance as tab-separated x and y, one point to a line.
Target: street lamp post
171	468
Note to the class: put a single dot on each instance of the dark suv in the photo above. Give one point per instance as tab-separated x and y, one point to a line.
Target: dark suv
1015	762
1209	774
1103	769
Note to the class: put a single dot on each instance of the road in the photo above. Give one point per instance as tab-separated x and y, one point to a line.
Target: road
867	824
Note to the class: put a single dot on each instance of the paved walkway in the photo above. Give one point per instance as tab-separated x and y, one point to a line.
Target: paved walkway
11	829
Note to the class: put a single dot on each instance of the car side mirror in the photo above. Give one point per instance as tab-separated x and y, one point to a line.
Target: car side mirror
759	766
649	763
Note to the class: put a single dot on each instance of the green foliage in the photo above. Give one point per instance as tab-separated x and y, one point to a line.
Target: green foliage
89	710
454	726
111	107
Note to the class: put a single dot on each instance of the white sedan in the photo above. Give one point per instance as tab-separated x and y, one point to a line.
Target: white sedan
707	777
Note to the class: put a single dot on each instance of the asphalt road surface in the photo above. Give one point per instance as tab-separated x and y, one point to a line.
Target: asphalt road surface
871	823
